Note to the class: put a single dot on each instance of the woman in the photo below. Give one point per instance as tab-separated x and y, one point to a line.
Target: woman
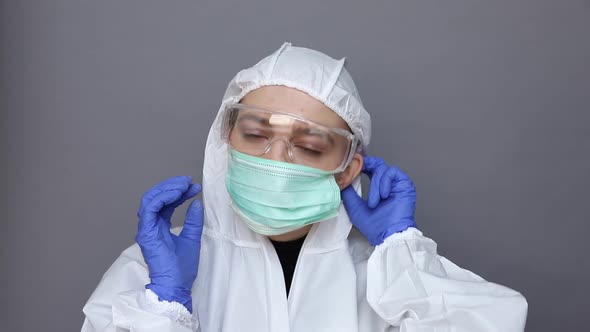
271	248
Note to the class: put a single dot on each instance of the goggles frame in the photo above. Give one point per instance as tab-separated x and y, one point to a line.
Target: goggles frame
229	119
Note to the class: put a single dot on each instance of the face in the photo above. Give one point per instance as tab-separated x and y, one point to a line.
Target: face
316	151
298	103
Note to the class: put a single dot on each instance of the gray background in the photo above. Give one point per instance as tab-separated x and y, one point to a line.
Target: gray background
484	104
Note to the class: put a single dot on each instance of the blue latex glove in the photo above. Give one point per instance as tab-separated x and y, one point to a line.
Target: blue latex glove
390	206
173	260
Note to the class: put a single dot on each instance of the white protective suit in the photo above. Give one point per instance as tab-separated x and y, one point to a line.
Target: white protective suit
341	283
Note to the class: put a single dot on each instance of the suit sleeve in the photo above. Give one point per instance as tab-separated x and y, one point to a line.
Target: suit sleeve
414	289
121	302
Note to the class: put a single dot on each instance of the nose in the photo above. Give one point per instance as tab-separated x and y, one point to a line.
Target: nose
278	149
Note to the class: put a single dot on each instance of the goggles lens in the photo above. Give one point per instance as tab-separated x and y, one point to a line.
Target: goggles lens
255	132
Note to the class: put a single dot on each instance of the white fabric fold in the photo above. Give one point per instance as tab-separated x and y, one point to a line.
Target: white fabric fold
411	286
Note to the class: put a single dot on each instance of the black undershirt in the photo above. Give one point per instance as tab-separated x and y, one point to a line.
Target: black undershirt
288	252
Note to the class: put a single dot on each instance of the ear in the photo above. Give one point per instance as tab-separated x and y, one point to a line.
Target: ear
355	167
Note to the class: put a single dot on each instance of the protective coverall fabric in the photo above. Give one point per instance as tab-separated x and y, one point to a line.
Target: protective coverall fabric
341	282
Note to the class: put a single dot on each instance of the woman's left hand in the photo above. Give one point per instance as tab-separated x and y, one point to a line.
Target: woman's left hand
390	206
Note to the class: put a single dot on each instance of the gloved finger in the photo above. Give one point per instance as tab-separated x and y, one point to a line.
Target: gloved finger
193	224
404	187
177	182
352	201
193	190
148	222
389	179
374	167
374	186
370	164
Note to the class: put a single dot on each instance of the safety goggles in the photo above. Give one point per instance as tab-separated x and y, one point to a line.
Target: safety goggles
255	131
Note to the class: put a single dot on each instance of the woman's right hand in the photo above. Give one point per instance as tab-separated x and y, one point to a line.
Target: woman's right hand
173	260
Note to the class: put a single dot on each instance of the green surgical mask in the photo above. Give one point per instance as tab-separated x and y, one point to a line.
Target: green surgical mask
275	197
